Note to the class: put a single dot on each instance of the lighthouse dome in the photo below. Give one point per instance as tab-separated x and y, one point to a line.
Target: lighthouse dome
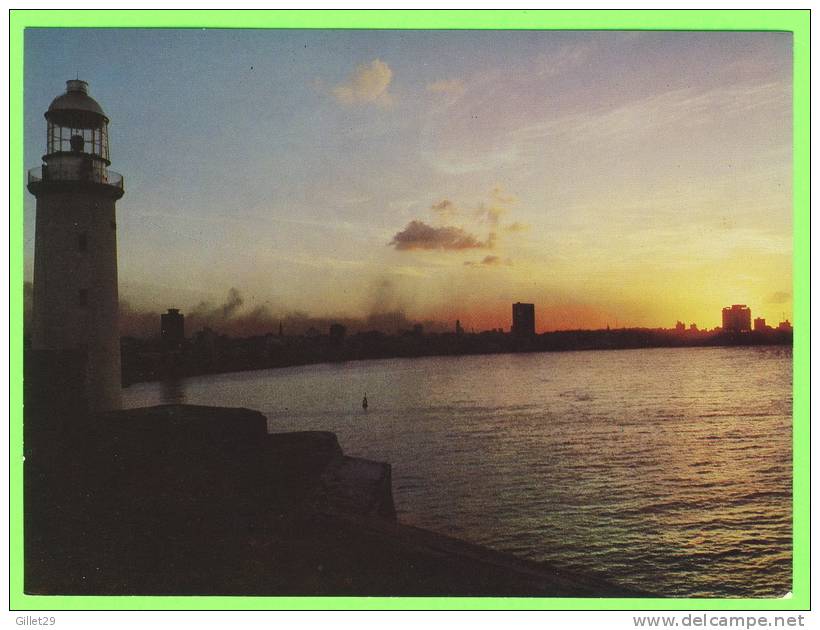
76	107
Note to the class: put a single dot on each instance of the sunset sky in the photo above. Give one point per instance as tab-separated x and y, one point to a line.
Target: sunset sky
621	178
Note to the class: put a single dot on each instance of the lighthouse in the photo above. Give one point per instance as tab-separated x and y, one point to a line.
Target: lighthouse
75	308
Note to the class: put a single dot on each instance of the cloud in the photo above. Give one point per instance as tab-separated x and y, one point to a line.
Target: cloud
491	214
779	297
419	235
681	108
452	161
499	201
369	83
565	59
499	196
445	209
488	261
444	204
454	226
447	87
516	226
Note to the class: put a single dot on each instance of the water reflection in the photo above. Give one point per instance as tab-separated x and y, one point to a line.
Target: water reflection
667	469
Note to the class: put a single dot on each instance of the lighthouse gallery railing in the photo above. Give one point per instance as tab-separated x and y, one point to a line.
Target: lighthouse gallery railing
96	175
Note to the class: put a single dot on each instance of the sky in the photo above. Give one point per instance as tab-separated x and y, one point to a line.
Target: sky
610	178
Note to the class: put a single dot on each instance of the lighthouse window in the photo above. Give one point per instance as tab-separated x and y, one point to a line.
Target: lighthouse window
82	242
83	297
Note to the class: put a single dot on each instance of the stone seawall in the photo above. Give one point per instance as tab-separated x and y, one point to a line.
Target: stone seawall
189	500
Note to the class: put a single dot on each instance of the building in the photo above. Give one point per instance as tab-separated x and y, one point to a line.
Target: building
172	329
75	309
737	318
760	324
680	326
785	326
523	319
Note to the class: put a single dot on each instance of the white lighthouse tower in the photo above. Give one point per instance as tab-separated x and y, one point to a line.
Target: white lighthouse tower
75	310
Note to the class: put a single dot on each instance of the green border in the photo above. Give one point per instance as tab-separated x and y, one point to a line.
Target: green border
795	21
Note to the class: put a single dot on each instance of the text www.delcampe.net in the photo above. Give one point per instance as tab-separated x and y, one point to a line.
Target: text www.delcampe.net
704	620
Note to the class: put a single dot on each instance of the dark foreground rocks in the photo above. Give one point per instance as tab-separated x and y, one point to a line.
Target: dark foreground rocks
185	500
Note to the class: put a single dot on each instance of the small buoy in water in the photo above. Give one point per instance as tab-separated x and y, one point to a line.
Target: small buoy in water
364	402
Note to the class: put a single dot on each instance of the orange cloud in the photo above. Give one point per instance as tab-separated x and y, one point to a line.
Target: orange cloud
419	235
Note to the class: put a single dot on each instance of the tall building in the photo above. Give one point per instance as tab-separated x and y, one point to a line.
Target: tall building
760	323
75	309
172	328
523	319
737	318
